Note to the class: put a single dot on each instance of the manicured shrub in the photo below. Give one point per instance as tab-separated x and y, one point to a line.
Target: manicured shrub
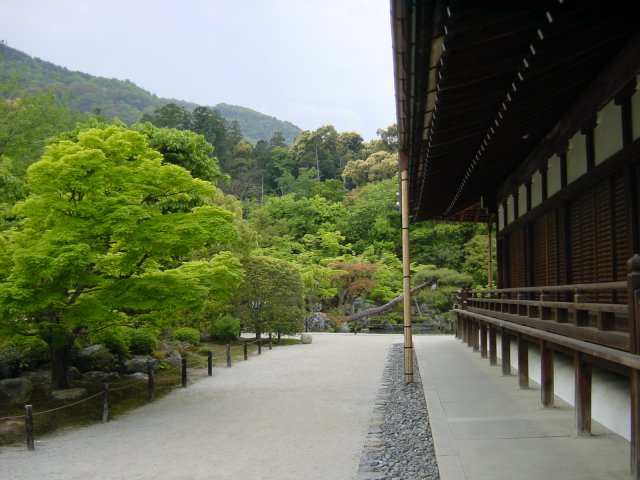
142	342
24	353
115	339
225	329
187	334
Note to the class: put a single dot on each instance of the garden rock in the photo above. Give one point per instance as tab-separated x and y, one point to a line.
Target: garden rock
100	376
69	393
38	376
95	357
139	376
73	373
172	355
138	363
344	328
316	322
306	338
11	427
5	369
15	391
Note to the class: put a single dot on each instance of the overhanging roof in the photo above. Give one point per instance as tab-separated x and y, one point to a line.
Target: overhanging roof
480	84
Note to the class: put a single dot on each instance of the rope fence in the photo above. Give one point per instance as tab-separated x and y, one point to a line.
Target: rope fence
105	393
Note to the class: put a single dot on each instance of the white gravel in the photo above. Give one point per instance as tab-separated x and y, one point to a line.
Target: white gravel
297	412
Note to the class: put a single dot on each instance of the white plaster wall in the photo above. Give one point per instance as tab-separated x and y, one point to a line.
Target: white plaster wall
610	394
522	200
576	157
510	209
500	218
536	189
635	113
608	132
554	180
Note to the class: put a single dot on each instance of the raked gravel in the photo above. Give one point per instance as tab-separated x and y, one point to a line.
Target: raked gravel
399	443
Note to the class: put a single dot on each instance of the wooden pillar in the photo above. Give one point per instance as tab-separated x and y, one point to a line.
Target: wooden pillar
633	292
582	411
483	340
546	376
493	347
406	271
635	424
523	362
470	323
506	352
475	334
490	255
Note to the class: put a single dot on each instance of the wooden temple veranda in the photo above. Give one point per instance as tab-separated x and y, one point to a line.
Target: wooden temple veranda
526	116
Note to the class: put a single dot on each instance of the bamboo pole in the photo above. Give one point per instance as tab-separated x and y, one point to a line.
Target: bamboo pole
406	271
490	262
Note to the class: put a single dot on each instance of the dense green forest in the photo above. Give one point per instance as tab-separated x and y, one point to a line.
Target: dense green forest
122	98
110	231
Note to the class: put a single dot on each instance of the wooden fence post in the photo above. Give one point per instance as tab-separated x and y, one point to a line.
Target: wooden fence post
210	363
105	404
483	340
28	424
260	346
184	372
270	341
245	347
151	385
505	342
493	347
228	354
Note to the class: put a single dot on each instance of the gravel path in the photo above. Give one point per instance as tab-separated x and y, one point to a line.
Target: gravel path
297	412
399	443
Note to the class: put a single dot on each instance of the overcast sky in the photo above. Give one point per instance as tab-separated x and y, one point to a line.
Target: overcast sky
311	62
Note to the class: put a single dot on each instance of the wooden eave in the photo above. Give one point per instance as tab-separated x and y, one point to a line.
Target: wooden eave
479	87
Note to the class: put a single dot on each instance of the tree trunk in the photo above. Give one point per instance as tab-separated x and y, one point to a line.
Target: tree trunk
60	366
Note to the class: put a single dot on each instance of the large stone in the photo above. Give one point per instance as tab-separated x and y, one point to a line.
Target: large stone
172	355
95	357
104	377
37	376
15	391
138	363
11	428
316	322
306	338
69	393
139	376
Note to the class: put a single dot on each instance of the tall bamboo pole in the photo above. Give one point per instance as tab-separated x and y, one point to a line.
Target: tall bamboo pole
406	271
490	262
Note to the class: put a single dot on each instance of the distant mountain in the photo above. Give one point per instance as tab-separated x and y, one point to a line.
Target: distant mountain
121	98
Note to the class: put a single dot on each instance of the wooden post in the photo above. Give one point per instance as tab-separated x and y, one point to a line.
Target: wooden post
483	340
270	341
406	270
493	347
546	376
582	410
523	362
228	354
505	343
260	346
635	424
184	372
151	385
475	334
490	259
105	404
633	285
245	347
28	426
210	363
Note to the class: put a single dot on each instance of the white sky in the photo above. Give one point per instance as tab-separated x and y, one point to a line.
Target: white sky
311	62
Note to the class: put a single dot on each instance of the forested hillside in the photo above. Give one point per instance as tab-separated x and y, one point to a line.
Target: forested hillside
123	99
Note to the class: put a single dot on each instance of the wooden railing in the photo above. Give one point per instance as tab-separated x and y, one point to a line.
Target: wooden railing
595	324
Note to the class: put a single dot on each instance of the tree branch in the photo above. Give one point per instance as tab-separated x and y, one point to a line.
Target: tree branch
387	306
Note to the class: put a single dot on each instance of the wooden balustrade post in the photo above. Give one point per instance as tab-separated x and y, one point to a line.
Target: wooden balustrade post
458	326
475	335
580	317
151	384
523	362
582	411
504	307
28	426
483	340
470	326
505	343
493	347
228	354
210	363
545	312
245	349
633	299
105	404
635	424
184	372
546	376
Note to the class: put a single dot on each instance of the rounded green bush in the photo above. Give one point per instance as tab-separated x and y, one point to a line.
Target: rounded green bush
142	342
24	353
187	334
115	339
225	329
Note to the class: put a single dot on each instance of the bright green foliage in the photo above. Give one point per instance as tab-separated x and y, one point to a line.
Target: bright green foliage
441	244
187	334
447	280
114	338
141	342
20	352
270	299
377	167
226	328
184	148
106	236
476	258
